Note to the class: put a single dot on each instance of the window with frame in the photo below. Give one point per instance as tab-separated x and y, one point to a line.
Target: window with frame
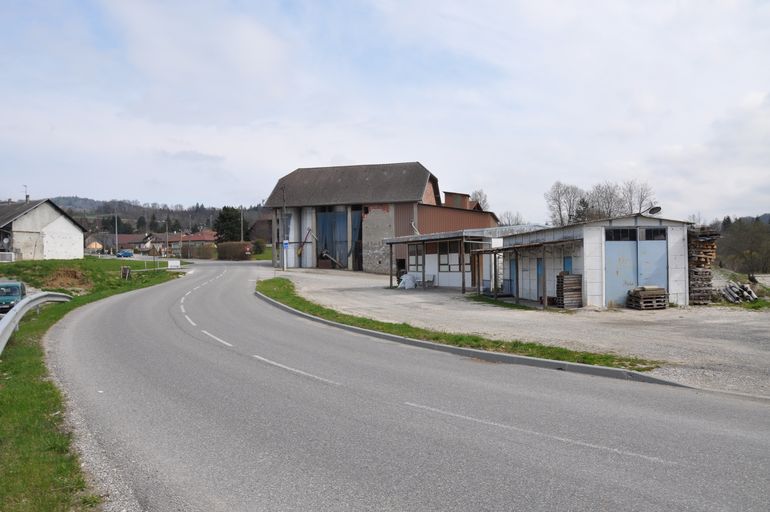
620	234
449	257
415	258
652	234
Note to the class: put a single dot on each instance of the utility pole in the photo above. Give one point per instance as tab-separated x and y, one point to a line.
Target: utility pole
241	223
284	252
116	230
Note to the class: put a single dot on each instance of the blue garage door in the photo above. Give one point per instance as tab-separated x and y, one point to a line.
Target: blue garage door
633	257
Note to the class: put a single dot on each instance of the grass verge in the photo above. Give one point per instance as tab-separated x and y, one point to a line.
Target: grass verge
266	254
282	290
495	302
38	468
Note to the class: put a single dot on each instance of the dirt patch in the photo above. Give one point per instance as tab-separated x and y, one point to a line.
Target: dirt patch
68	278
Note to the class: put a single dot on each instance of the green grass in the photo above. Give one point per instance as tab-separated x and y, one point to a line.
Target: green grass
267	254
756	305
282	290
495	302
38	468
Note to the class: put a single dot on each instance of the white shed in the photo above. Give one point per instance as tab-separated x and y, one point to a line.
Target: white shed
613	256
38	230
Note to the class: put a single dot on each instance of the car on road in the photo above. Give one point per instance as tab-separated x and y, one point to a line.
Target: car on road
11	292
125	253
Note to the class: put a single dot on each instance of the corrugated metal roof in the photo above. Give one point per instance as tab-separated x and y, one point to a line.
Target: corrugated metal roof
352	184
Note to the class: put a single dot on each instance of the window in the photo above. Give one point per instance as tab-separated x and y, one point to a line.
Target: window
449	257
415	258
652	234
620	234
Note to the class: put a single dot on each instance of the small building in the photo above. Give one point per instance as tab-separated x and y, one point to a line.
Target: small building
337	217
612	256
38	230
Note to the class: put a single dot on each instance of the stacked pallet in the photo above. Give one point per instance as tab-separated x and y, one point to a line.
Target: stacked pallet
702	251
647	297
569	290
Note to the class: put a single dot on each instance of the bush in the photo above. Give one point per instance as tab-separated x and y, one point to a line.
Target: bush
199	252
258	246
234	250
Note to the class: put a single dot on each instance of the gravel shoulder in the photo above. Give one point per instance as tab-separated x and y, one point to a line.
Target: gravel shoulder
716	348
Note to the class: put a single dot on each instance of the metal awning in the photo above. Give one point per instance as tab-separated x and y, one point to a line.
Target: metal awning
497	250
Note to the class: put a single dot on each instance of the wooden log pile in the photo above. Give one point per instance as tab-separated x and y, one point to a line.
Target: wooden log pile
737	293
647	297
569	290
702	251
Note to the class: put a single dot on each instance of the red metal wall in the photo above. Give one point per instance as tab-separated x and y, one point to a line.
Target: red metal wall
436	219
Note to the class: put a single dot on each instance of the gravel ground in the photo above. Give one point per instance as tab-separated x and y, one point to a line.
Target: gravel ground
717	348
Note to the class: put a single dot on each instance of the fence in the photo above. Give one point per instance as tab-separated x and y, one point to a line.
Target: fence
10	322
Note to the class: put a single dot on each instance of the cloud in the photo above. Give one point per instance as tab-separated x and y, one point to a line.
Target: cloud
189	156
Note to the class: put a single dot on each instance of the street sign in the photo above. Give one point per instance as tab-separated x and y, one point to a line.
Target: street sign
285	244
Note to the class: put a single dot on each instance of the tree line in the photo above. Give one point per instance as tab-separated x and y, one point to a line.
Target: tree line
745	245
570	204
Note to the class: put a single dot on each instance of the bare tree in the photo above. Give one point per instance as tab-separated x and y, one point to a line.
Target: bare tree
480	197
605	198
562	200
636	196
508	218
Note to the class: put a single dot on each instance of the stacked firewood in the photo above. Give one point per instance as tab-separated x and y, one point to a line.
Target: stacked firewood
702	251
738	293
569	290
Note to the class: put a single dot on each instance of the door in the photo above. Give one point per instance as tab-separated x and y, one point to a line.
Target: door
539	278
620	271
567	266
653	257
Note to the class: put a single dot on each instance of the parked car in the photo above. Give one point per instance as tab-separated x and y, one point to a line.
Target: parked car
125	253
11	292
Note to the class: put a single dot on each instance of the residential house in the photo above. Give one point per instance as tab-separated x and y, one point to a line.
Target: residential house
38	230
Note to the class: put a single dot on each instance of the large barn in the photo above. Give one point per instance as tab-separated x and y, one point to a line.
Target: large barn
337	217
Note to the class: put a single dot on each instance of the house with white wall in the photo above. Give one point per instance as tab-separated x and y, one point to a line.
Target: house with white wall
38	230
612	256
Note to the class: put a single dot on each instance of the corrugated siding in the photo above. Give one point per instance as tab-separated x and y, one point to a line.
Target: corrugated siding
437	219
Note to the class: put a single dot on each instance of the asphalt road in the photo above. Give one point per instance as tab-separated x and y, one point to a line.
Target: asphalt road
196	395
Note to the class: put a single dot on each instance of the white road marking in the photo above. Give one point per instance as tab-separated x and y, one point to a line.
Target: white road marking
181	306
191	272
190	320
565	440
294	370
220	340
188	293
196	287
182	301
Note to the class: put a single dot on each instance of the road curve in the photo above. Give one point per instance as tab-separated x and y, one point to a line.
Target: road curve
199	396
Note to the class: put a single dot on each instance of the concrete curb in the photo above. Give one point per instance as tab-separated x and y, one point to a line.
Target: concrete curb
493	357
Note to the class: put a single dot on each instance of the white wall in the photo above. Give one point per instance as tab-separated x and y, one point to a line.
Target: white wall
593	266
44	233
678	278
309	249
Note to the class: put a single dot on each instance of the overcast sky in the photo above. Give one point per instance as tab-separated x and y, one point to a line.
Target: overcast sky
212	102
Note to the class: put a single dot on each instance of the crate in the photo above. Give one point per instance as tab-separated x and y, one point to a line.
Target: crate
569	290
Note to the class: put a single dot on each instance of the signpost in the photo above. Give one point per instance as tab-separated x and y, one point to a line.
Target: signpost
285	253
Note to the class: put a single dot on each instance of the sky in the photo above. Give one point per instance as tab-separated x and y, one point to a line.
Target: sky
211	102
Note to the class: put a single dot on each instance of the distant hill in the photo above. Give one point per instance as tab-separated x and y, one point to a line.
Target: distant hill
91	212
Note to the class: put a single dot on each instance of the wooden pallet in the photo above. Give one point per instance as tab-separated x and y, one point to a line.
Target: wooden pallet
648	302
569	290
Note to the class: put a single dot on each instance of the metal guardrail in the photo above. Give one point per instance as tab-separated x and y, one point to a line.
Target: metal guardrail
10	322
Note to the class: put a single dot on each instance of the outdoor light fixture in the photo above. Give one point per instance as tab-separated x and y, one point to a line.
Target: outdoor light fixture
652	210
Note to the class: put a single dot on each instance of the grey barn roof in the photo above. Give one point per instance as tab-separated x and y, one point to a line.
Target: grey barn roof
9	212
352	184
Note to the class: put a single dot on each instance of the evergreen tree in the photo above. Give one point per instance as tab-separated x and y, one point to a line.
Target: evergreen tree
141	224
228	225
154	226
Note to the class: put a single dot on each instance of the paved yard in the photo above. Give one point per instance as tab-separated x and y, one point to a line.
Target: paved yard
722	348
